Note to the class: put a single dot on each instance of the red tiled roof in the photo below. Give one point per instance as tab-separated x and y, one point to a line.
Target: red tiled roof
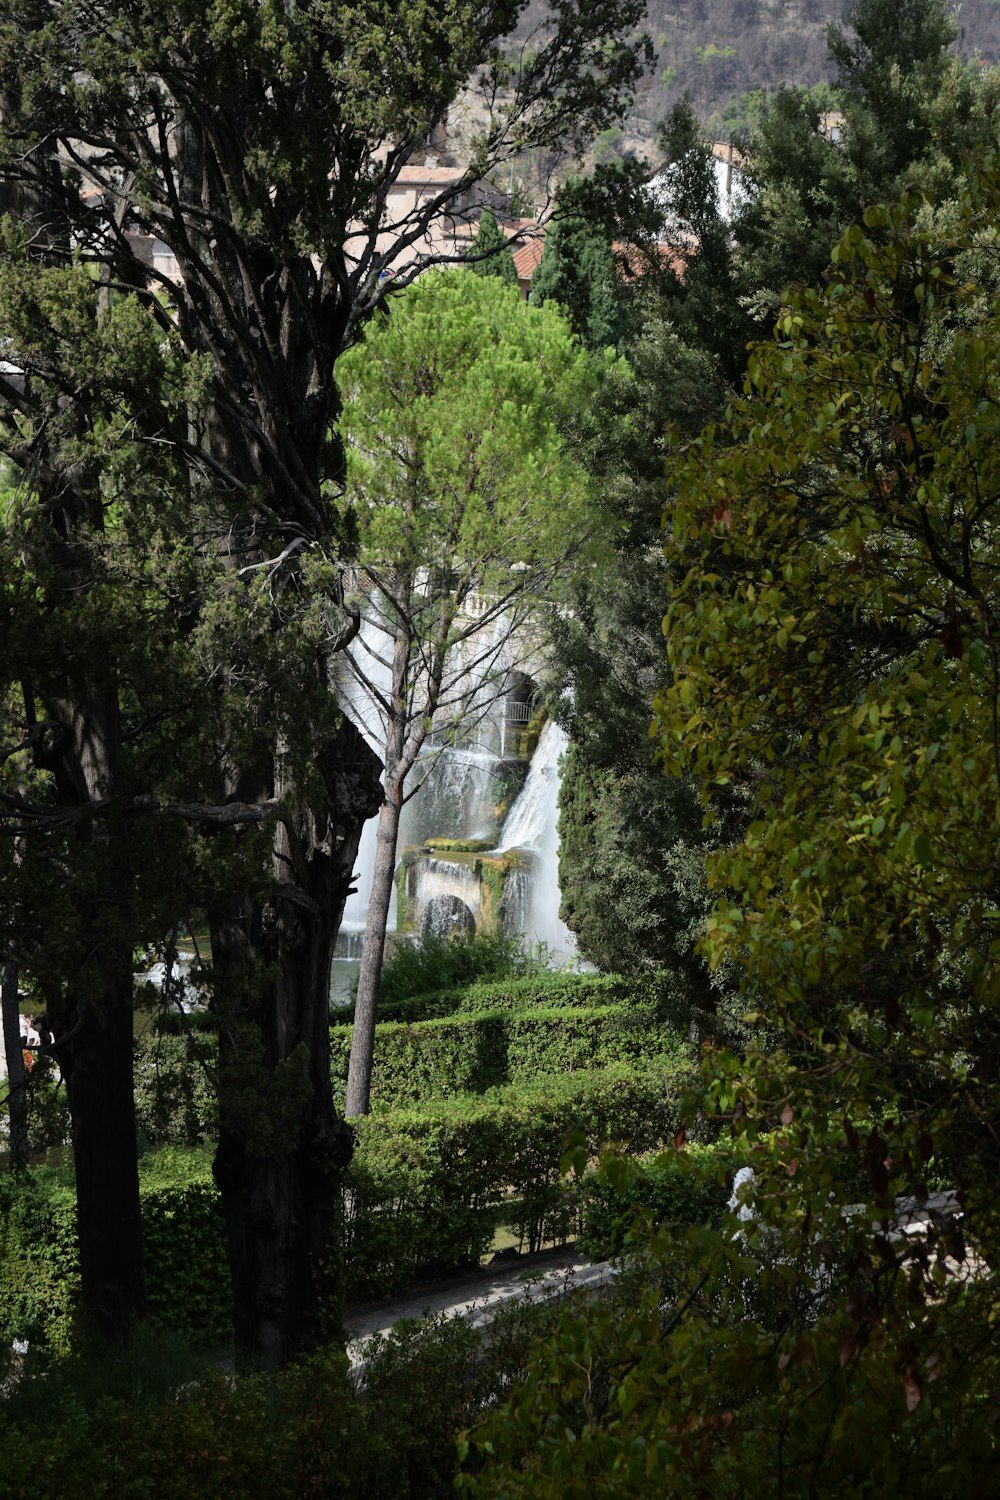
527	256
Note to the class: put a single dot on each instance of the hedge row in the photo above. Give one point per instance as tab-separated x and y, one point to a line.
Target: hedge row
431	1185
187	1269
424	1195
551	988
305	1433
473	1052
680	1189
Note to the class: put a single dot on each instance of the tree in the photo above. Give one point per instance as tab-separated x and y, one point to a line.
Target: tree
893	62
631	844
910	115
490	253
259	144
578	271
78	603
467	501
833	644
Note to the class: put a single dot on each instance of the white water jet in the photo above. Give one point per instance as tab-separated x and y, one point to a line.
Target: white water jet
533	825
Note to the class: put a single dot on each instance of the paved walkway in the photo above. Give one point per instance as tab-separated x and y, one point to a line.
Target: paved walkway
531	1278
555	1273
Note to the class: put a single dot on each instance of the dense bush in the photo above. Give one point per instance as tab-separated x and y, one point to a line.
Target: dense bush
429	1185
483	1049
424	1195
175	1100
183	1239
439	963
687	1187
39	1272
564	987
313	1432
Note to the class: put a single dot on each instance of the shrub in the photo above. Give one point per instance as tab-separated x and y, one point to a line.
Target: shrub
184	1245
428	1186
175	1099
548	987
308	1433
437	963
483	1049
689	1187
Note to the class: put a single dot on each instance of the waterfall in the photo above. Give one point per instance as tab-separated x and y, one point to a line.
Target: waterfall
533	825
460	787
456	796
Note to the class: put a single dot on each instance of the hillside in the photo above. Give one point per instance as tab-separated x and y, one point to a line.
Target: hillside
716	51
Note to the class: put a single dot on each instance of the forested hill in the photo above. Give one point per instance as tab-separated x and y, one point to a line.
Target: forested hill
716	51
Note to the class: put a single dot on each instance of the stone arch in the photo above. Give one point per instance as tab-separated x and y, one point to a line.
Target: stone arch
447	916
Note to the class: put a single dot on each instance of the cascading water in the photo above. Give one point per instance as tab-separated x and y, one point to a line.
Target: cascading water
460	787
533	825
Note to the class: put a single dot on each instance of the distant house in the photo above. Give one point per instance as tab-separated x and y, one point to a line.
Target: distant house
415	189
527	253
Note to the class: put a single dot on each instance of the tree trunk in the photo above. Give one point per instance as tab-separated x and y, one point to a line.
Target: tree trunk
92	1026
97	1065
359	1076
281	1141
17	1102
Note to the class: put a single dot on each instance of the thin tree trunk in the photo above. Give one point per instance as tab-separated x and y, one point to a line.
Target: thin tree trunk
359	1076
17	1101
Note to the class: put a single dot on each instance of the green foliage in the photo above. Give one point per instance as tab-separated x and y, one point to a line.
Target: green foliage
892	63
910	115
39	1274
435	963
186	1260
428	1186
711	52
183	1242
176	1097
492	243
689	1187
472	1052
578	271
156	1420
831	639
725	1374
631	868
547	988
452	416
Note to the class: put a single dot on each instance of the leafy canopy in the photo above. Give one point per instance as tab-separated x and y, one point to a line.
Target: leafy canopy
455	408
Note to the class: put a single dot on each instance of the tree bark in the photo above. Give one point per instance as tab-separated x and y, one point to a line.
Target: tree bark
17	1103
281	1141
92	1024
359	1076
97	1064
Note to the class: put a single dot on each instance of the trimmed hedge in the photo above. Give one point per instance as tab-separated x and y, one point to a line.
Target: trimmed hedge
424	1196
689	1187
489	1034
558	987
429	1186
475	1051
187	1269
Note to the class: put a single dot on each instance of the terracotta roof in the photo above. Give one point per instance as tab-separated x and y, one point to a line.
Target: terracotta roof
414	173
527	256
633	260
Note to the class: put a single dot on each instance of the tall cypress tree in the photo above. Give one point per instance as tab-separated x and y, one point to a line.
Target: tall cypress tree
491	254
